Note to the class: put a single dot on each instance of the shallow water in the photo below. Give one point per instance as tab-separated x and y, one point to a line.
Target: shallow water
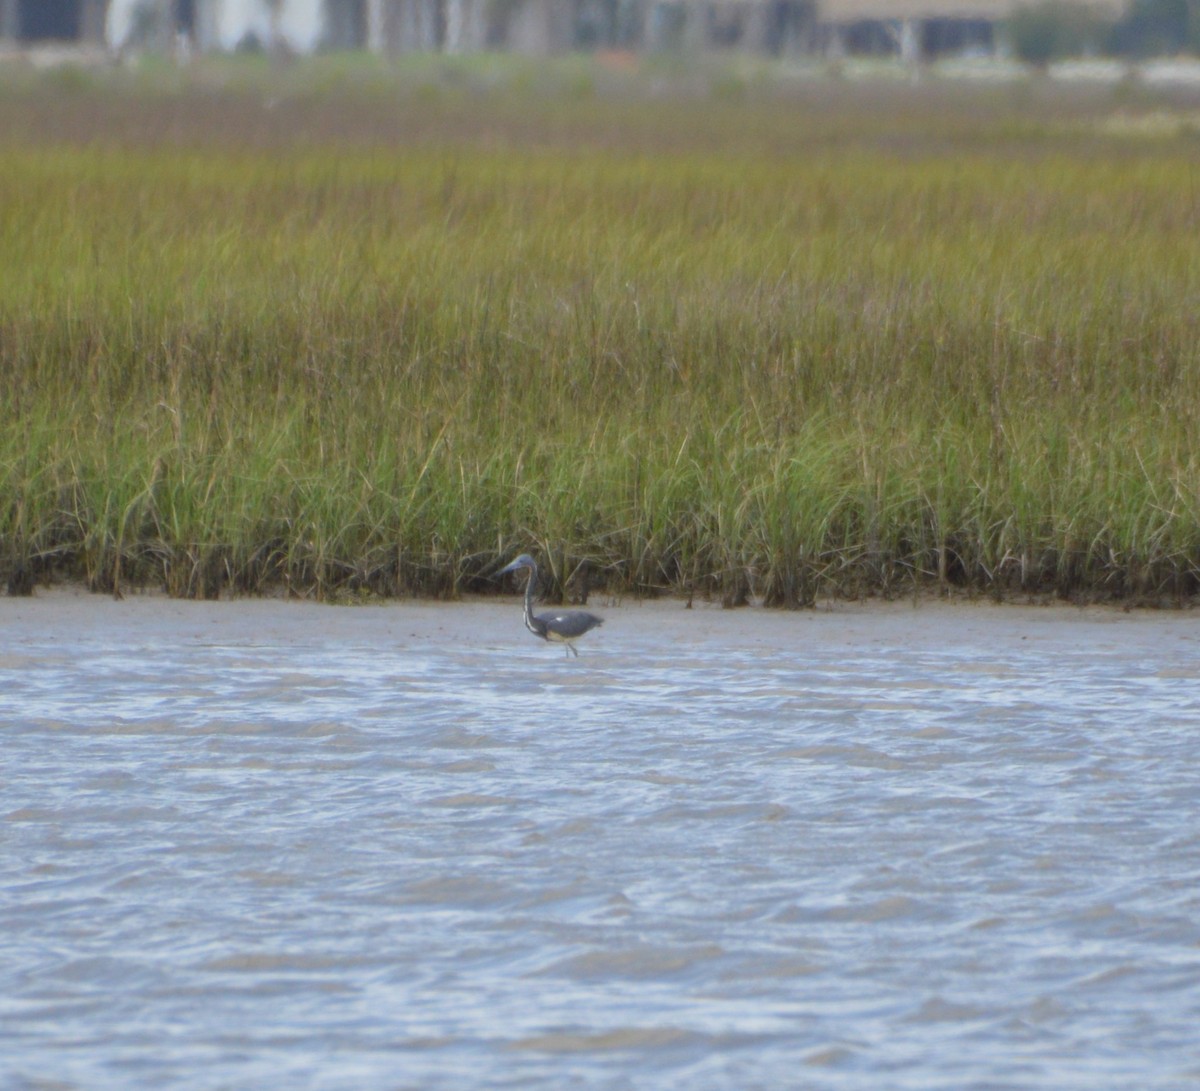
410	846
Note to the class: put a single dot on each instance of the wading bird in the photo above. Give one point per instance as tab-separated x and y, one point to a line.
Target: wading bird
560	628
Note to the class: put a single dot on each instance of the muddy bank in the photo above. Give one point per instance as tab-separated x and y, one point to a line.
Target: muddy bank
630	624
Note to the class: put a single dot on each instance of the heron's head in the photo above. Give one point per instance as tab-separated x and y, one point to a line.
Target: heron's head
523	561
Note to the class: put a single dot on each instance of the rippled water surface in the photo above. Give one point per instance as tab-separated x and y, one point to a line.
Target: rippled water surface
410	846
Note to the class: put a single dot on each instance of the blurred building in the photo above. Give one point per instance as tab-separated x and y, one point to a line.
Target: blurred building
912	29
917	30
553	26
53	20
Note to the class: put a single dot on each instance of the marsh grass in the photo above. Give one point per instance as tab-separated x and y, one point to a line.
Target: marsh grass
776	347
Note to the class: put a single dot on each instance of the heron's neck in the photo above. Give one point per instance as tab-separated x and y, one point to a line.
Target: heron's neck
529	622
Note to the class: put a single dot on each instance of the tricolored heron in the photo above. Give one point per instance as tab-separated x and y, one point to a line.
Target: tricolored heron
560	628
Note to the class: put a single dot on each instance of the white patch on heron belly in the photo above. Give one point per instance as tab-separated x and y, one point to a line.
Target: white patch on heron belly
558	638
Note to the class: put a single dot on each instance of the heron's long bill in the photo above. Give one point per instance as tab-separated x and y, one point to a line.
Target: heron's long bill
520	562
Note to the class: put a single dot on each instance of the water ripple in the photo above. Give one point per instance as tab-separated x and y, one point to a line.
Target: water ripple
408	846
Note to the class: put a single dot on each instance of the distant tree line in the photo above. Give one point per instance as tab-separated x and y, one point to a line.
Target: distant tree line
1049	29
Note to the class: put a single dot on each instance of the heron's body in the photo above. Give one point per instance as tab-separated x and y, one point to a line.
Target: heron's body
562	628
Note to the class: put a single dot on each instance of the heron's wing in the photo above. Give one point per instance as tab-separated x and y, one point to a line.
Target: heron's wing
571	624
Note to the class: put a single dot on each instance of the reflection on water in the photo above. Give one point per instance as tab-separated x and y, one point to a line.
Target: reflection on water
413	847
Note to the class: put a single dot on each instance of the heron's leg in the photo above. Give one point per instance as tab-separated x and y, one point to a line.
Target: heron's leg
571	649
